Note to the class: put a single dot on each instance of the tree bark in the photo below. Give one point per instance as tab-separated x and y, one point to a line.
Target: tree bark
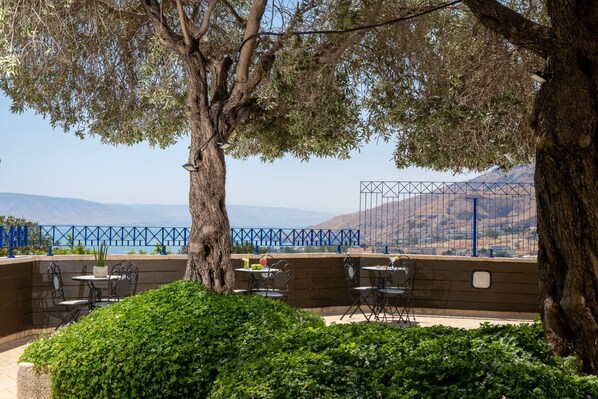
566	190
565	119
208	251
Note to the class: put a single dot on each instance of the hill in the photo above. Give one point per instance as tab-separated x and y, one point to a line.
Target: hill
392	217
72	211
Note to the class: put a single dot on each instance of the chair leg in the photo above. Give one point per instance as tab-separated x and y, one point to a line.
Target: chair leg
72	315
356	305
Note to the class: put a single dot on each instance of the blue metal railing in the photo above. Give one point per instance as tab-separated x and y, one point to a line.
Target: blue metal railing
89	236
13	237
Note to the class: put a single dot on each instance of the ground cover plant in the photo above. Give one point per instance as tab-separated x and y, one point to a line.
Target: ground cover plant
182	341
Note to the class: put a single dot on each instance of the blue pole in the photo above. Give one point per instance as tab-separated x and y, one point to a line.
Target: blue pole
386	250
475	227
257	249
338	249
11	238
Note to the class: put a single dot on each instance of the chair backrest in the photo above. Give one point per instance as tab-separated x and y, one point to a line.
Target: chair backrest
404	276
281	279
55	280
127	284
351	272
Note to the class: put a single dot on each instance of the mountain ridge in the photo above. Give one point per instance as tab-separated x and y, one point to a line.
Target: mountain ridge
74	211
518	174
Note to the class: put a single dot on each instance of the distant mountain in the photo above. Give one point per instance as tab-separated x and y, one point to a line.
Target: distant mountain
519	174
71	211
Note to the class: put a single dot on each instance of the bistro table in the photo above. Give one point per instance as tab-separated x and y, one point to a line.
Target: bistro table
381	276
95	292
257	276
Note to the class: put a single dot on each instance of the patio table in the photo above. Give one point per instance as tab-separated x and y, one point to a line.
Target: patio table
256	276
95	292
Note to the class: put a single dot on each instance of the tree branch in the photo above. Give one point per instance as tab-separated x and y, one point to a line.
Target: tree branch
351	40
183	20
253	25
205	22
239	19
156	18
108	7
512	26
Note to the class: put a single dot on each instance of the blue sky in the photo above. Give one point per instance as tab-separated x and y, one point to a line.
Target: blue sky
35	159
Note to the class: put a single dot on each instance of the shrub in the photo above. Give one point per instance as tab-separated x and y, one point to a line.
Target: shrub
166	343
181	341
379	361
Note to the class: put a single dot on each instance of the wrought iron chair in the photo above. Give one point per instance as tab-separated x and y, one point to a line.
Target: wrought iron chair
359	294
398	293
73	306
275	281
123	284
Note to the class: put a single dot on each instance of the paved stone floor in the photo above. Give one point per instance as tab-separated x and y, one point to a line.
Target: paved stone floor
10	352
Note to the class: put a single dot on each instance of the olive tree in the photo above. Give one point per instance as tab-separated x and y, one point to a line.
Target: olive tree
452	88
464	97
161	71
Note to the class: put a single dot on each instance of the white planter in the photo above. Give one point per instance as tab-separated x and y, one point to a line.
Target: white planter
100	271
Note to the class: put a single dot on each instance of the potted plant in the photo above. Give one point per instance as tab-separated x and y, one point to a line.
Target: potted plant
100	269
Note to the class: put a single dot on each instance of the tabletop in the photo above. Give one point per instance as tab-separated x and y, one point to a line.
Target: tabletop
91	277
380	268
263	270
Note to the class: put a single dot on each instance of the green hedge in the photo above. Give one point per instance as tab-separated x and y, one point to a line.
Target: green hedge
181	341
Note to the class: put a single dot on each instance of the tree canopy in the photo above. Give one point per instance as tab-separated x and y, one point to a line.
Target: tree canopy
440	85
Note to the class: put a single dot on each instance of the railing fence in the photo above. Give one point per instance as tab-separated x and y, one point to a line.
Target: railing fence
471	218
12	237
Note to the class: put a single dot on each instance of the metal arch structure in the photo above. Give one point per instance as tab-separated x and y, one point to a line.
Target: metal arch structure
468	218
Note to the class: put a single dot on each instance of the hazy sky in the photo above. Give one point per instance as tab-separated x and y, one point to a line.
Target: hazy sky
35	159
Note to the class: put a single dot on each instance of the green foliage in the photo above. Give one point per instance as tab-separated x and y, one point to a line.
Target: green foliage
100	254
33	246
139	252
169	343
158	249
181	341
247	249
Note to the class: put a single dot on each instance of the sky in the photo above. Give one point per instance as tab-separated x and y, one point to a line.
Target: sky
36	159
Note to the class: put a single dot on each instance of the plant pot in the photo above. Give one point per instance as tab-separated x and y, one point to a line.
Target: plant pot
100	271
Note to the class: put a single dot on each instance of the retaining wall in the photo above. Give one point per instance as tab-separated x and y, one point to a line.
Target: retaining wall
441	283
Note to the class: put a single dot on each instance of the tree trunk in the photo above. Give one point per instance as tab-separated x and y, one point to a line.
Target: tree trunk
209	245
567	197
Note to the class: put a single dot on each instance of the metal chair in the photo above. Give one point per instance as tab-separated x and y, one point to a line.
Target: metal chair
122	284
275	281
359	294
398	293
73	306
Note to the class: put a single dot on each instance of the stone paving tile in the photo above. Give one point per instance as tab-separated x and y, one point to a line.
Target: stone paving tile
9	355
7	394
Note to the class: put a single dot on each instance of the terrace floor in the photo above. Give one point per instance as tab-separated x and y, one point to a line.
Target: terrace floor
11	351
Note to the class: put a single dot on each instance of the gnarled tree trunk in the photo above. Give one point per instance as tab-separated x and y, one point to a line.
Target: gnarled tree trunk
208	251
567	195
565	121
